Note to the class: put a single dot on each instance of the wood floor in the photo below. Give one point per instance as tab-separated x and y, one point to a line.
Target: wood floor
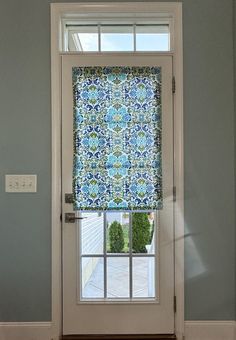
120	337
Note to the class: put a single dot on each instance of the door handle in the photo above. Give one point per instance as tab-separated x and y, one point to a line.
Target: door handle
71	218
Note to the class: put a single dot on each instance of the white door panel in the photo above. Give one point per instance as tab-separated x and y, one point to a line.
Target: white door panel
118	317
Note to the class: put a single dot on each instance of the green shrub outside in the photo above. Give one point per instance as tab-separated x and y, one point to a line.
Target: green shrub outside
140	232
116	237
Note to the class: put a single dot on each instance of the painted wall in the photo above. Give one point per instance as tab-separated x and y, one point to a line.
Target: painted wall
209	160
25	237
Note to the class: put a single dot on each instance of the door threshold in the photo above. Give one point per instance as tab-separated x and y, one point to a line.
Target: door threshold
119	337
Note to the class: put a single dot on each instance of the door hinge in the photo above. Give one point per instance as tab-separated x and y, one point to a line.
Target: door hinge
175	305
174	194
173	85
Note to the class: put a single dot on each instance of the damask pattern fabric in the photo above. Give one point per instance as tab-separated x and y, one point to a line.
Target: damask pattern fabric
117	138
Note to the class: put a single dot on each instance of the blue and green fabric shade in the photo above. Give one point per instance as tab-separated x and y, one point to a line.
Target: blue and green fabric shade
117	138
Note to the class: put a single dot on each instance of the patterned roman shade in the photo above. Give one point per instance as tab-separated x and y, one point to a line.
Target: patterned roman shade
117	138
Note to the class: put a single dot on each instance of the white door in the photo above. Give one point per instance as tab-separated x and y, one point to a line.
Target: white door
118	292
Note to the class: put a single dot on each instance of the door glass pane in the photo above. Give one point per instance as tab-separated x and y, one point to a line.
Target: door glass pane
117	277
83	38
143	240
117	38
92	273
143	277
92	232
117	232
152	38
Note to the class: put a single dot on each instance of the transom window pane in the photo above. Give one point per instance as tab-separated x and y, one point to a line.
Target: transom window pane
152	38
124	266
83	38
117	38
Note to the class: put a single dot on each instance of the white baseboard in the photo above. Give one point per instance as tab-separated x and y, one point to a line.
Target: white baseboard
26	331
194	330
210	330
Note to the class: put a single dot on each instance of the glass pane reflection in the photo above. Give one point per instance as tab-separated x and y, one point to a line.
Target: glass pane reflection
117	38
117	232
152	38
117	277
92	273
144	277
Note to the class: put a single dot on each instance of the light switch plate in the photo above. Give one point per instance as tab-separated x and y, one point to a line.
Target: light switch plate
21	183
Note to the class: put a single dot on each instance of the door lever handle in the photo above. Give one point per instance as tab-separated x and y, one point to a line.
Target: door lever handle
71	218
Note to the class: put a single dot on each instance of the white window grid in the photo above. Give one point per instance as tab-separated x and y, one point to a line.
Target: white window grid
130	255
69	26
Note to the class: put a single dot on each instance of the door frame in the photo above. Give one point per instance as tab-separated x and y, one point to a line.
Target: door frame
59	11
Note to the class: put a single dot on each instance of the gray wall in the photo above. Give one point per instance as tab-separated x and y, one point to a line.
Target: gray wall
25	241
209	160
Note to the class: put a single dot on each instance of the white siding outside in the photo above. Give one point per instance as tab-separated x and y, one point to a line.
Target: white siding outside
91	242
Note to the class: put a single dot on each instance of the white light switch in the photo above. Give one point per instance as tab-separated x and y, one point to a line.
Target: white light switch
20	183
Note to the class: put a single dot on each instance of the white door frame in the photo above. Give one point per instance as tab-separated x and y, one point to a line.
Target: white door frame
173	10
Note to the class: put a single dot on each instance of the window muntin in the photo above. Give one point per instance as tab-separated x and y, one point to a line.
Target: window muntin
117	37
121	275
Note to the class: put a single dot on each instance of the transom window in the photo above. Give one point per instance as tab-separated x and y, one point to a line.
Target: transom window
107	37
